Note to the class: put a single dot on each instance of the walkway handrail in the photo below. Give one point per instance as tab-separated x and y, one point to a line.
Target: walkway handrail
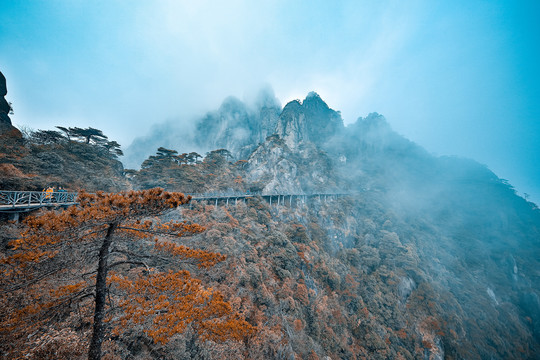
33	198
25	200
219	195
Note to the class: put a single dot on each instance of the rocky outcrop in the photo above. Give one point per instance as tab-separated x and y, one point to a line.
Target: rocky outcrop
3	91
240	127
276	168
269	117
283	148
229	127
6	128
237	127
311	120
271	166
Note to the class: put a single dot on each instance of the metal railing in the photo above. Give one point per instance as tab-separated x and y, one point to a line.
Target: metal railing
29	199
223	195
26	200
276	199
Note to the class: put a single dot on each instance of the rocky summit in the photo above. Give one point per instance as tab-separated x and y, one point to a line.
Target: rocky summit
308	121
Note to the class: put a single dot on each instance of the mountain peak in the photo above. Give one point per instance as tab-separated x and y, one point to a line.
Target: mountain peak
311	120
313	94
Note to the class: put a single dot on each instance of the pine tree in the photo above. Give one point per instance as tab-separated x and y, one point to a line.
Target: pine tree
88	134
97	255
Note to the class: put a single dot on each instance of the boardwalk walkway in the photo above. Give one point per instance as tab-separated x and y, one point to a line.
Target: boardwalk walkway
23	201
272	199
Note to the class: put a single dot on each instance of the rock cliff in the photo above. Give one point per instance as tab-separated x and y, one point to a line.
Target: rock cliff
6	128
240	128
278	169
308	121
236	127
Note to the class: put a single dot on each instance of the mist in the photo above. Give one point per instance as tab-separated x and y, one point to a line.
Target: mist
458	80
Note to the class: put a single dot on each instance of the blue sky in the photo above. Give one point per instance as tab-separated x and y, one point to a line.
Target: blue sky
457	77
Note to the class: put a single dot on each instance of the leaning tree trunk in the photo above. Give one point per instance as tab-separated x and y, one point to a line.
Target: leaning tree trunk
98	332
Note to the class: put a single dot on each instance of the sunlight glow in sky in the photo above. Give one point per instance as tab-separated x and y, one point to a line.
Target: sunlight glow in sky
459	78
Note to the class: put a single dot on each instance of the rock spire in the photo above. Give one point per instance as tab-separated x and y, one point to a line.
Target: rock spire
5	122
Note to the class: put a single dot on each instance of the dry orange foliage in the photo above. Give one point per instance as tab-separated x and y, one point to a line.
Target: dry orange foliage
302	294
172	300
60	264
402	334
298	325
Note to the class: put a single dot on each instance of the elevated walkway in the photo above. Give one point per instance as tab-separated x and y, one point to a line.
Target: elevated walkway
272	199
22	201
16	202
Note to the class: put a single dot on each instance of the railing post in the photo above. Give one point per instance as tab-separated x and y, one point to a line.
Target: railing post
15	216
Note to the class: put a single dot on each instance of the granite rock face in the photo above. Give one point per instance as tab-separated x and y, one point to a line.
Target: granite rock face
273	166
282	170
284	148
4	105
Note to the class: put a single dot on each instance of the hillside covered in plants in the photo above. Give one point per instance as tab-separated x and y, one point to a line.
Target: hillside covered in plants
72	158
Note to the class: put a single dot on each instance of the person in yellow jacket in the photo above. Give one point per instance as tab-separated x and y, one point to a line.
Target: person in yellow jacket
49	194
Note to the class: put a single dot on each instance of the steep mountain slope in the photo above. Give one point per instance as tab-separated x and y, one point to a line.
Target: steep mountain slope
36	162
427	257
235	127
